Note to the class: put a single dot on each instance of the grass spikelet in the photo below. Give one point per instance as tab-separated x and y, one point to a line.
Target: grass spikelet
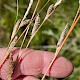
62	35
10	67
12	44
36	24
25	22
15	29
52	8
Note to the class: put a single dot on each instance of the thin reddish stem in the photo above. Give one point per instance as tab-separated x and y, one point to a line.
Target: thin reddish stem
60	47
1	63
28	28
76	15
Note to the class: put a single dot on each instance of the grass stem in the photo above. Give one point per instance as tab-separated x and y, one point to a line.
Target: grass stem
60	47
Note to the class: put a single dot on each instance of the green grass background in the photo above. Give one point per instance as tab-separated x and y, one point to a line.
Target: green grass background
48	35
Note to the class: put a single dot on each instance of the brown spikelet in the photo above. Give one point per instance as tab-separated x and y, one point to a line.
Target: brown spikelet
25	22
62	35
50	9
36	24
15	29
12	44
10	67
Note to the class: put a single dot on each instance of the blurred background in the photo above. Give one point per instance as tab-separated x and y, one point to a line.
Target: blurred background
47	37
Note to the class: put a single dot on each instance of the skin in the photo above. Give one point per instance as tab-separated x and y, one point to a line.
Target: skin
35	62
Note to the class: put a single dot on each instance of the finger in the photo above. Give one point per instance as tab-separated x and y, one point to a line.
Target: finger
4	69
61	68
35	62
30	78
27	78
38	62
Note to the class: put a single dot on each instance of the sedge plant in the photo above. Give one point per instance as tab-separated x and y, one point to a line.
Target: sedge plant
37	25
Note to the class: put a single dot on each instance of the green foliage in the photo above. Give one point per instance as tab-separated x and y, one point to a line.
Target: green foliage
79	1
50	31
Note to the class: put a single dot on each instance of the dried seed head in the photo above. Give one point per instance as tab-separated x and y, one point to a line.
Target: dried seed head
15	29
62	35
13	43
10	48
25	22
36	24
49	11
51	8
10	67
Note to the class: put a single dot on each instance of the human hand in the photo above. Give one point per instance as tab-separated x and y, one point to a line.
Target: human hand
35	62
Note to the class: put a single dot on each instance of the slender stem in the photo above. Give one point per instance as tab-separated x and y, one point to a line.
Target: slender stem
16	18
10	39
26	13
44	6
24	39
31	39
36	15
23	31
34	34
28	9
38	29
60	47
17	9
29	25
17	2
48	16
32	21
76	15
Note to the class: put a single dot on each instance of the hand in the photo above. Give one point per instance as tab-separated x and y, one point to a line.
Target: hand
35	62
